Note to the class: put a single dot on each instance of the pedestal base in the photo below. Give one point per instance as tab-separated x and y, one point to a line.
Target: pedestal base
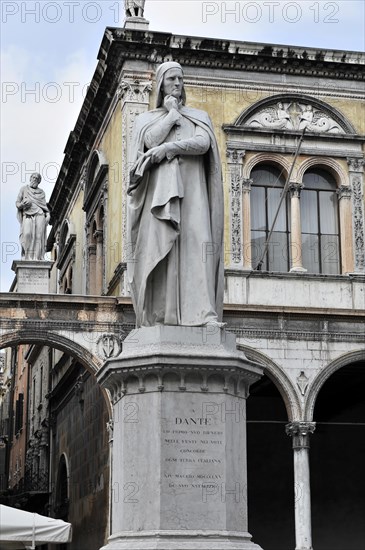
179	440
178	540
137	23
32	277
298	270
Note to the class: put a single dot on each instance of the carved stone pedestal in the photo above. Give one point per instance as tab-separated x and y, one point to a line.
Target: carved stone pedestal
32	276
179	440
136	23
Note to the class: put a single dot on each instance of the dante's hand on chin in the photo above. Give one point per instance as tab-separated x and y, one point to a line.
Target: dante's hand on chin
170	102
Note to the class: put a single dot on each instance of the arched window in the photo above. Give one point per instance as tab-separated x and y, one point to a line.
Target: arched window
267	187
320	223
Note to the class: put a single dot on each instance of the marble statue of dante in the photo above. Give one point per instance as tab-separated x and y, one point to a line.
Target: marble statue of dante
134	8
33	216
175	211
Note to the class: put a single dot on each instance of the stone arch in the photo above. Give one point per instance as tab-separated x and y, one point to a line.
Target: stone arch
96	162
96	171
267	102
268	158
89	361
341	177
279	379
324	375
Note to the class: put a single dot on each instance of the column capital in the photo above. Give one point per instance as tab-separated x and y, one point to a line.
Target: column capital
235	155
246	185
134	90
344	192
98	235
355	164
300	432
295	189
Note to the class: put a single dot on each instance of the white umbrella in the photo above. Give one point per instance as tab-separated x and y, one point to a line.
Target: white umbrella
19	529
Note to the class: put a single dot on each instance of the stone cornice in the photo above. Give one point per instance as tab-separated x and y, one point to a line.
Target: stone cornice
195	50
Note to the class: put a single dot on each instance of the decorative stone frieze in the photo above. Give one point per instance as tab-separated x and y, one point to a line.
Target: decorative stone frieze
235	157
356	181
236	218
134	91
295	115
300	432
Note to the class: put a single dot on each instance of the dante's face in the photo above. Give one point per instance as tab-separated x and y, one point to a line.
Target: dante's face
173	83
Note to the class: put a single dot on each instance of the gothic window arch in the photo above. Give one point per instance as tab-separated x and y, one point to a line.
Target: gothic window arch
320	222
268	182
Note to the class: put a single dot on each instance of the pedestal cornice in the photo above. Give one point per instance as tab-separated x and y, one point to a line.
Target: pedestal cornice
181	352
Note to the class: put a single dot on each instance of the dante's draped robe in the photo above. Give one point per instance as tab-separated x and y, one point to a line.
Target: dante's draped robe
176	225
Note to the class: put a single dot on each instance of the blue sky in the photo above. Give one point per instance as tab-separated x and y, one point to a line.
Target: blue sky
48	56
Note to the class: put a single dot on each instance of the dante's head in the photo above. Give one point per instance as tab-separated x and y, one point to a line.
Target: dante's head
169	78
35	179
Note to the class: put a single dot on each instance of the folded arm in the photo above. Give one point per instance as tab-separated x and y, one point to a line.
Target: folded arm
197	145
159	132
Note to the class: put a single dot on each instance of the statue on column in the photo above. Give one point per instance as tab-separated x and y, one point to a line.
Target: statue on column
33	216
134	8
175	211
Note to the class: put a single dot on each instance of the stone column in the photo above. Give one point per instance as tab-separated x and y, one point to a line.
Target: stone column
179	440
357	185
91	249
246	214
98	236
344	193
296	228
300	432
234	174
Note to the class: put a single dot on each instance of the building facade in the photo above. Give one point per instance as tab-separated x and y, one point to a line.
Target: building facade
290	127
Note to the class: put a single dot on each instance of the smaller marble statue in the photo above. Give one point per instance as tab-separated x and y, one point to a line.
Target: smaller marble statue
33	216
134	8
